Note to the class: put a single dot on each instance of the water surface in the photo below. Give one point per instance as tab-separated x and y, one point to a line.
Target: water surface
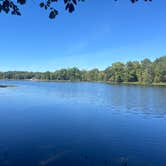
48	123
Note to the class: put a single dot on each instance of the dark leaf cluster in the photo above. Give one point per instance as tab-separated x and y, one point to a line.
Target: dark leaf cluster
70	5
53	12
7	6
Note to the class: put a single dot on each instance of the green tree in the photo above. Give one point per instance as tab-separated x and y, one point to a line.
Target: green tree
160	69
93	75
118	70
74	74
144	72
147	72
132	70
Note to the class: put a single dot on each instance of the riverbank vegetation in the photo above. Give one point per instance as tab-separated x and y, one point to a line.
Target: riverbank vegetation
133	72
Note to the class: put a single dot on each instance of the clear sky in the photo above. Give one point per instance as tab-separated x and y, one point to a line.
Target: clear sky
95	35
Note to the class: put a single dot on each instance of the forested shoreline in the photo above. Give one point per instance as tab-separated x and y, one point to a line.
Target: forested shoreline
144	72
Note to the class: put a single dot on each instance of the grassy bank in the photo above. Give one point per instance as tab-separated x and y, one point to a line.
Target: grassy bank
139	83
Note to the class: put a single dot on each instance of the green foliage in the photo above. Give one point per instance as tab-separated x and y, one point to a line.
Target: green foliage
160	69
144	72
132	71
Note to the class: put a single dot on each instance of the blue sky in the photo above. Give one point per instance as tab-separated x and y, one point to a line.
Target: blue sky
95	35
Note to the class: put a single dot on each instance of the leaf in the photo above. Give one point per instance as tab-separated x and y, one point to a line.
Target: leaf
48	1
71	8
21	1
18	13
13	13
45	7
53	14
67	6
56	12
65	1
75	2
42	4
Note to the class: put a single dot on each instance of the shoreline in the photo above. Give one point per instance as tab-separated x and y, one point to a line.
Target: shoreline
137	83
67	81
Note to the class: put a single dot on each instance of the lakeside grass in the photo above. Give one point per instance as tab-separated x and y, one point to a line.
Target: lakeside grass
138	83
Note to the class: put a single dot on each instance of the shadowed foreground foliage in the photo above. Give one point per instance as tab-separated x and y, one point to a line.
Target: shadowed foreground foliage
144	72
11	6
6	86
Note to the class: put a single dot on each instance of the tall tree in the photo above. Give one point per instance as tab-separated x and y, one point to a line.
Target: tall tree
160	69
132	71
146	71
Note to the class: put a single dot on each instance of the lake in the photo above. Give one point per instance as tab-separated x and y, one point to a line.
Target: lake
86	124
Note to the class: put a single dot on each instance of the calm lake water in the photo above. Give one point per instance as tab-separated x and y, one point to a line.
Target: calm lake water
82	124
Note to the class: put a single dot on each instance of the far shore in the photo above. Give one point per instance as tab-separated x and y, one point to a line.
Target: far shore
108	82
138	83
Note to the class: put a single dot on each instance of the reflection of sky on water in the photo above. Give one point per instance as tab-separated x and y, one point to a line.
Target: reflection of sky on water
81	124
133	99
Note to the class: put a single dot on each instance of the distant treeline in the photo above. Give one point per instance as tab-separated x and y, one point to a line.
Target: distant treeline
133	71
